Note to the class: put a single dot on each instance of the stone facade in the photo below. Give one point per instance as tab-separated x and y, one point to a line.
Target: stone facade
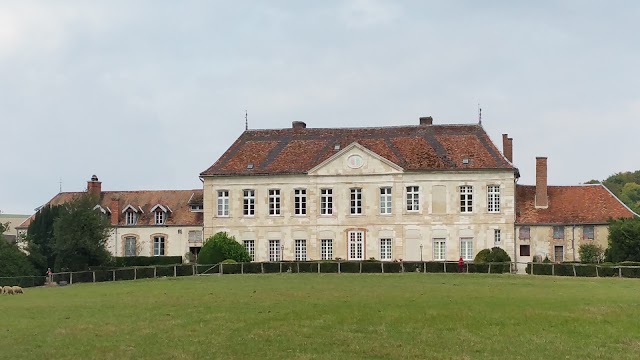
542	242
176	239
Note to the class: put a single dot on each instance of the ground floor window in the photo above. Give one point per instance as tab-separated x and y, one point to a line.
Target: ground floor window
326	249
385	249
158	246
558	251
250	245
466	248
356	245
130	246
525	250
274	250
497	237
301	250
439	249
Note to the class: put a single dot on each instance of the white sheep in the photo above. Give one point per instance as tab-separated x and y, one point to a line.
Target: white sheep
8	290
17	290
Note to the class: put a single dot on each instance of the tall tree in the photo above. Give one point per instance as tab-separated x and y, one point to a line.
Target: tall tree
13	262
81	235
624	240
626	186
40	240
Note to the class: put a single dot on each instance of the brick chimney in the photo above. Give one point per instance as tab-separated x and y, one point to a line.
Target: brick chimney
426	120
94	187
542	199
115	211
507	147
299	125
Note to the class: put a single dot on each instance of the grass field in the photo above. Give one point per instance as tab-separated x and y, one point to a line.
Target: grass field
309	316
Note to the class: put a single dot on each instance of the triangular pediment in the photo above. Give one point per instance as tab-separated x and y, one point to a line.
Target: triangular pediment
356	159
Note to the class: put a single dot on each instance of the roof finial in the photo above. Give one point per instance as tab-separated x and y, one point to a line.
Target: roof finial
479	114
246	120
60	184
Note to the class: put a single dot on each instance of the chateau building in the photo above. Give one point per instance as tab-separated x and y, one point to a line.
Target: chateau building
423	192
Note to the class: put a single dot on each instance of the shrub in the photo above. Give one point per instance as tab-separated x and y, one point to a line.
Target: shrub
392	267
372	267
222	247
229	261
591	253
329	267
131	261
546	260
350	267
482	256
434	267
493	255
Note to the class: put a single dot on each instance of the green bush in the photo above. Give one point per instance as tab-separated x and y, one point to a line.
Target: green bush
271	267
131	261
308	267
221	247
252	268
590	253
563	269
493	255
229	261
413	266
164	271
542	269
350	267
124	274
434	267
586	271
145	273
329	267
372	267
482	256
479	268
231	268
392	267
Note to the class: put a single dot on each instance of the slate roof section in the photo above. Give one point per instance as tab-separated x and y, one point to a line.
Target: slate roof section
570	205
414	148
177	200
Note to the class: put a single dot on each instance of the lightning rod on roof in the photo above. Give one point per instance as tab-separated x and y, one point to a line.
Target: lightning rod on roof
246	120
60	184
479	114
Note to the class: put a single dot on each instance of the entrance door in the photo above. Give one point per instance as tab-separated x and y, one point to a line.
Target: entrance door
558	252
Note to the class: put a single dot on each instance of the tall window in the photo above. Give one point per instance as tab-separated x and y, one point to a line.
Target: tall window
558	232
301	250
466	248
250	245
326	202
558	252
466	199
131	217
249	202
588	232
274	202
356	201
326	249
300	201
159	217
413	198
439	249
524	233
274	250
130	246
497	237
158	246
385	200
385	249
223	203
493	198
356	245
195	236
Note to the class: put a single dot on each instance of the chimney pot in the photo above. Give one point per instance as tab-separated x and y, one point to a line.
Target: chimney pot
542	198
426	120
94	187
298	125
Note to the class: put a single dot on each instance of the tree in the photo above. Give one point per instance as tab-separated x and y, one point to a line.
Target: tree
493	255
221	247
625	186
13	262
624	240
590	253
81	235
40	241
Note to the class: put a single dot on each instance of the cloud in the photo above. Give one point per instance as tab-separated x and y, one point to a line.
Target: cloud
369	13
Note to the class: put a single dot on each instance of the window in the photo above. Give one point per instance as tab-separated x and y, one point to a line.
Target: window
250	245
558	232
356	245
466	248
159	217
497	237
588	232
197	208
466	199
493	198
326	249
158	245
274	202
525	250
130	246
524	233
385	200
356	201
300	202
131	218
413	198
195	236
385	249
223	203
558	251
326	202
249	202
274	250
301	250
439	249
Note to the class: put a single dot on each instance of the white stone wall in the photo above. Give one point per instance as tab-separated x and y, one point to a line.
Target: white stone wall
408	230
176	239
542	243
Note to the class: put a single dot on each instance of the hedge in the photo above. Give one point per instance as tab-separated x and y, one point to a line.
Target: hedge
372	267
131	261
392	267
23	281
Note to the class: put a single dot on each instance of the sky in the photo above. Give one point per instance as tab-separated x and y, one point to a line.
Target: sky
148	94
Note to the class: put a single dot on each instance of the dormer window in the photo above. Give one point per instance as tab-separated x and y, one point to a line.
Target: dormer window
159	217
160	214
197	208
131	215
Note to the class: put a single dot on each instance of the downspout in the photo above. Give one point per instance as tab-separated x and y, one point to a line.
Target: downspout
515	216
573	241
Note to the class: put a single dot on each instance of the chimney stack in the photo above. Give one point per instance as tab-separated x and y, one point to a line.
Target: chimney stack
542	198
426	120
298	125
507	147
115	211
94	187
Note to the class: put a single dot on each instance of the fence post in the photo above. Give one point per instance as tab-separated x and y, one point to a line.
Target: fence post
619	271
338	267
402	266
155	271
175	272
574	271
360	267
553	269
135	273
467	268
94	276
242	268
114	275
71	278
318	267
489	269
597	275
444	265
193	270
382	266
220	270
262	267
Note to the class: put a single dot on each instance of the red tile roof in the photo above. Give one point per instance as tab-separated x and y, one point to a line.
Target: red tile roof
414	148
178	201
569	205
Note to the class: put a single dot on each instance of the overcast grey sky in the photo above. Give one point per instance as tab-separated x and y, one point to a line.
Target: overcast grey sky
147	94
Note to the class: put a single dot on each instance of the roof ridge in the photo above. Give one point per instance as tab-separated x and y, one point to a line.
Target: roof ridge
365	127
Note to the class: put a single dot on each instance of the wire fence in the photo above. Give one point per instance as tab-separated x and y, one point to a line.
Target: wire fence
583	270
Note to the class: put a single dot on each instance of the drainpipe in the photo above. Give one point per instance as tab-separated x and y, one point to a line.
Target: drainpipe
573	242
515	215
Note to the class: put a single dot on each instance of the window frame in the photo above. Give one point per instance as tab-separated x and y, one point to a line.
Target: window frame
525	246
497	237
326	249
250	246
558	232
466	252
585	236
524	233
412	197
386	200
275	251
440	254
493	199
300	249
223	209
249	202
355	245
133	220
275	202
355	201
300	202
159	247
466	199
128	246
326	202
159	217
386	249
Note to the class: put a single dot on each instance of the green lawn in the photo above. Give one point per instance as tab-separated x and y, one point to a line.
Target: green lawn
310	316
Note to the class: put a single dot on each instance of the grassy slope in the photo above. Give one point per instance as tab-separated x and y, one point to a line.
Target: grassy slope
309	316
